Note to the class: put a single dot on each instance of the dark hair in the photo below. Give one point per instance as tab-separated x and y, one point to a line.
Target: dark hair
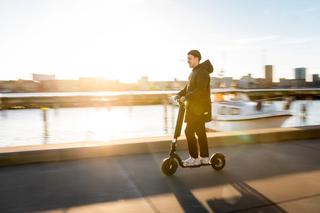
195	53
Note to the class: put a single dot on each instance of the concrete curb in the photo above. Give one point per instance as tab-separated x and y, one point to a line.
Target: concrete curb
82	150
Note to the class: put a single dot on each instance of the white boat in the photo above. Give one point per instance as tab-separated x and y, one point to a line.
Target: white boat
235	111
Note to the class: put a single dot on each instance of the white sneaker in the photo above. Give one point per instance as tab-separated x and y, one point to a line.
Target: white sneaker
205	160
192	162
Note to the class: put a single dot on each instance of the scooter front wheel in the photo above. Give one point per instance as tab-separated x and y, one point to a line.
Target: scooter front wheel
218	161
169	166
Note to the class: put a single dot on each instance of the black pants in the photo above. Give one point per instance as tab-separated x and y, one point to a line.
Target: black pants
197	127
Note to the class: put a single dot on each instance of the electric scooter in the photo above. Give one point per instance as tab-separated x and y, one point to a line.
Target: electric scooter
171	163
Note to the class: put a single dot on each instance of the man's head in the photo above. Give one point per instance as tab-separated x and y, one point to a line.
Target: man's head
194	58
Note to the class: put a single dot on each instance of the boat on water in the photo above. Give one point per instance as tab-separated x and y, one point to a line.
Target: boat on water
235	111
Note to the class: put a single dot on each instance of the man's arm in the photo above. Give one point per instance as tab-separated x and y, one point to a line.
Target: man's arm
182	92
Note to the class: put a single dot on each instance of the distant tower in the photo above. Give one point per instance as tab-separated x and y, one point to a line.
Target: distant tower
268	69
42	77
300	73
316	80
144	79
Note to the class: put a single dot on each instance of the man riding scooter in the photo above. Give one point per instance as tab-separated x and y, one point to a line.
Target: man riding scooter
196	93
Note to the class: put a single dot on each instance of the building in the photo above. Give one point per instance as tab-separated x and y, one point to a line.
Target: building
144	79
144	83
247	82
225	82
315	78
42	77
60	86
285	83
300	77
262	83
300	73
19	86
268	71
178	85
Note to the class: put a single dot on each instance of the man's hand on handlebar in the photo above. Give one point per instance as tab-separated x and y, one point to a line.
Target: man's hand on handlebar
182	99
179	99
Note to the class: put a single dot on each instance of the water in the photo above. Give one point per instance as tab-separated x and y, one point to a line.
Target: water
64	125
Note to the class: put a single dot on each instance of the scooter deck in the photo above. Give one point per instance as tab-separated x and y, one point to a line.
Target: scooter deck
180	162
195	166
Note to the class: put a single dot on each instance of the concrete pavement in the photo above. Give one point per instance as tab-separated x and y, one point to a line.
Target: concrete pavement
273	177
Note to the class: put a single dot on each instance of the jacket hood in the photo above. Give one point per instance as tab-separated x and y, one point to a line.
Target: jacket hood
206	65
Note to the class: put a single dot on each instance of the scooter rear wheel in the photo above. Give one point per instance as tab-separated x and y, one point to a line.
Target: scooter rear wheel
169	166
218	161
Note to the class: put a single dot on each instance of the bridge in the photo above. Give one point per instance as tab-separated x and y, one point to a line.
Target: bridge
107	99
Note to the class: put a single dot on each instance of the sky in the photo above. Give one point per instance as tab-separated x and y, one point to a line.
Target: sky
126	39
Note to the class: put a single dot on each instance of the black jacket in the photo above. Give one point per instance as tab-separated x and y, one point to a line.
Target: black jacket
197	93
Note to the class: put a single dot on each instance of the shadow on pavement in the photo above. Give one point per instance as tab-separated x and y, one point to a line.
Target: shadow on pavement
63	185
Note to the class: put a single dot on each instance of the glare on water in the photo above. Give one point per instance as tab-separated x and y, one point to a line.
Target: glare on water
63	125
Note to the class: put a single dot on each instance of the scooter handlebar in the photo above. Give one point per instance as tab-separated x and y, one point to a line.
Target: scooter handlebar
180	100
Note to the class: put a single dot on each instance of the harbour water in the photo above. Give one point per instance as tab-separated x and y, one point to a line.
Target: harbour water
65	125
